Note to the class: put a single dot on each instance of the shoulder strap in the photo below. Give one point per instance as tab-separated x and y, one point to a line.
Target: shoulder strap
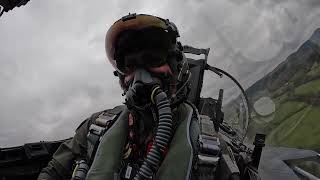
209	149
97	129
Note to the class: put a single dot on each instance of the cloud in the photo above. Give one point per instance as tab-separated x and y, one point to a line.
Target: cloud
53	70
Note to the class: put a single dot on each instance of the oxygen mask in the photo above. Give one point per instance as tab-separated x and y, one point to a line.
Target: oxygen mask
139	93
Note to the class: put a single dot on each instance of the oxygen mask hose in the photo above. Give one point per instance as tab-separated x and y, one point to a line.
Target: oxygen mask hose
162	136
145	89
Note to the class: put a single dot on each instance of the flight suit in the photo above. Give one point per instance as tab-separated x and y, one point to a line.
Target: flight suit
61	165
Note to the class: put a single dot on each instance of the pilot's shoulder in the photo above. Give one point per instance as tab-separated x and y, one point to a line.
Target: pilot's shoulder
113	111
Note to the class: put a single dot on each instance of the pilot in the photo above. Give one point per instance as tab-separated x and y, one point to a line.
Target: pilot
154	135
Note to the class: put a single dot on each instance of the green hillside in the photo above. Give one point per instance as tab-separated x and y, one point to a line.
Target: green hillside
294	88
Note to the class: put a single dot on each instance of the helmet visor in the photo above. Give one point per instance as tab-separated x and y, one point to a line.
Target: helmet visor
147	48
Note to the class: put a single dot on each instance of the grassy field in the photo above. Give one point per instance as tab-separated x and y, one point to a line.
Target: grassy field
309	89
300	130
296	120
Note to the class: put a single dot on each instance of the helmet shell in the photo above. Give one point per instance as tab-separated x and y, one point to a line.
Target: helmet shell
133	22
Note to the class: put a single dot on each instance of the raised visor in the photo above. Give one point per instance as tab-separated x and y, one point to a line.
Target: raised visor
26	162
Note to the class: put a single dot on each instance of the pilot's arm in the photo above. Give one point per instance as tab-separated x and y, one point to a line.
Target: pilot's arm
61	165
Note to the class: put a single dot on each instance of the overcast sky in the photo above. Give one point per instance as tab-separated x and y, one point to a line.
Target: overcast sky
53	68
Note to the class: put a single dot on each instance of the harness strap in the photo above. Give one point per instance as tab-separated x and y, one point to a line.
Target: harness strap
98	128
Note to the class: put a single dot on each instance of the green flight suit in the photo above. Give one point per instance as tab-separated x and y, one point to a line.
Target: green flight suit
60	167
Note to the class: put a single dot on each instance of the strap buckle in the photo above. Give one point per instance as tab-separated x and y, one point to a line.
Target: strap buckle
209	150
105	120
96	132
209	145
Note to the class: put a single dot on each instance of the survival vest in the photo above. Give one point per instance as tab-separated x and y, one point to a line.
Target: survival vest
186	157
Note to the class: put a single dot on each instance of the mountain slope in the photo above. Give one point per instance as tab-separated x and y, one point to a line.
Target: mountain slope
294	88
